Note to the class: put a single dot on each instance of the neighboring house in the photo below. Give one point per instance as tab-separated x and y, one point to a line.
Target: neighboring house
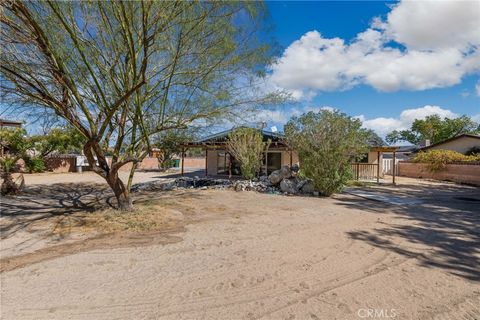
7	124
461	143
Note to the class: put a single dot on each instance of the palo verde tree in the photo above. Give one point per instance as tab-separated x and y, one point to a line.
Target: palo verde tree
120	72
247	146
326	143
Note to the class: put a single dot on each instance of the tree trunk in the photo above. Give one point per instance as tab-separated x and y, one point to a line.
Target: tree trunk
124	201
8	185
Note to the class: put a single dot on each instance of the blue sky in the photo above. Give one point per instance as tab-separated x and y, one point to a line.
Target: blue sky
367	60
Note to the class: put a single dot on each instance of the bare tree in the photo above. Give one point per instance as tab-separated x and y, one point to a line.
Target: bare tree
122	71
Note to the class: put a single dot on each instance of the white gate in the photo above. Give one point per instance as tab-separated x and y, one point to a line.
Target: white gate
387	167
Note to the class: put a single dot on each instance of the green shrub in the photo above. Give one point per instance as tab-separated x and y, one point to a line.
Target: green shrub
247	146
438	159
34	164
326	142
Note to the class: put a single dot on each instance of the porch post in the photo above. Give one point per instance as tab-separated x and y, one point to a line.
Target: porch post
378	166
206	162
266	162
183	160
394	167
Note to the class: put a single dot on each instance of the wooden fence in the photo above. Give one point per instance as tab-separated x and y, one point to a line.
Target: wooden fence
365	171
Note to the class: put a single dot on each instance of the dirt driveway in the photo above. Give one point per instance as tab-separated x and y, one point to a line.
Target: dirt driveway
254	256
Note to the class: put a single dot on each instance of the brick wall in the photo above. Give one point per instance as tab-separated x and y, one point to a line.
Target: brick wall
194	163
60	164
461	173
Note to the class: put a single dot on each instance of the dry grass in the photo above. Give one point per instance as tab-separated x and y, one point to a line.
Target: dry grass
150	216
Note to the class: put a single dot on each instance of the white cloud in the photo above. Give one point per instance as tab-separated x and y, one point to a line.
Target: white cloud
441	39
477	88
282	115
476	118
435	24
384	126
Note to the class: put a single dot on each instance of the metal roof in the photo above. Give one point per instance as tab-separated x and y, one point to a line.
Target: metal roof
223	136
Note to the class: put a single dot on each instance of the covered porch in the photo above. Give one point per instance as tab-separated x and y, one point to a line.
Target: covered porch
371	168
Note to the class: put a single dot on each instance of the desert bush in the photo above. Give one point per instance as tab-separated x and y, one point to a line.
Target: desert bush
326	142
247	146
34	164
18	144
438	159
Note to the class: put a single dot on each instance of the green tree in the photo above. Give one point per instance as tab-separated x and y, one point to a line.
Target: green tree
247	146
169	143
326	143
58	140
435	129
374	140
18	144
120	72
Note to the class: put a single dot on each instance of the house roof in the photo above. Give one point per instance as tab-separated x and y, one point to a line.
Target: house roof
10	123
476	136
223	136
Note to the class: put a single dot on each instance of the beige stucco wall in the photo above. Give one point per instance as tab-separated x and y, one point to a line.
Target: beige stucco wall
461	145
373	159
461	173
212	162
286	158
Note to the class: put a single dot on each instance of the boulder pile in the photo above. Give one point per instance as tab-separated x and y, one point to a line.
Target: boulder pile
255	185
288	181
182	182
280	181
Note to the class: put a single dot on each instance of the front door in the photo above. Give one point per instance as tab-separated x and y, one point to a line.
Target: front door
274	161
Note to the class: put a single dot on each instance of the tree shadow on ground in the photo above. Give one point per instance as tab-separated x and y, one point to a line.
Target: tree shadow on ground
43	202
442	227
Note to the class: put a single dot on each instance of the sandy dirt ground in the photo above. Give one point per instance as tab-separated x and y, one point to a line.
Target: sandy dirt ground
229	255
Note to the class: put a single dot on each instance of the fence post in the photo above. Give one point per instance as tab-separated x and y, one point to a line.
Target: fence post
378	166
394	166
358	170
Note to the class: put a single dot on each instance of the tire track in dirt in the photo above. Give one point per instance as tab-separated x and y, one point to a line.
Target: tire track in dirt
104	241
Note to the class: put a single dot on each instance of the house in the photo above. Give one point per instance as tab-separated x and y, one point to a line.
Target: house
462	143
220	162
10	123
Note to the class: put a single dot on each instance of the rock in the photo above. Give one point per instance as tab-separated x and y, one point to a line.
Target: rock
248	185
286	172
264	179
184	182
306	187
275	177
289	186
295	168
278	175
